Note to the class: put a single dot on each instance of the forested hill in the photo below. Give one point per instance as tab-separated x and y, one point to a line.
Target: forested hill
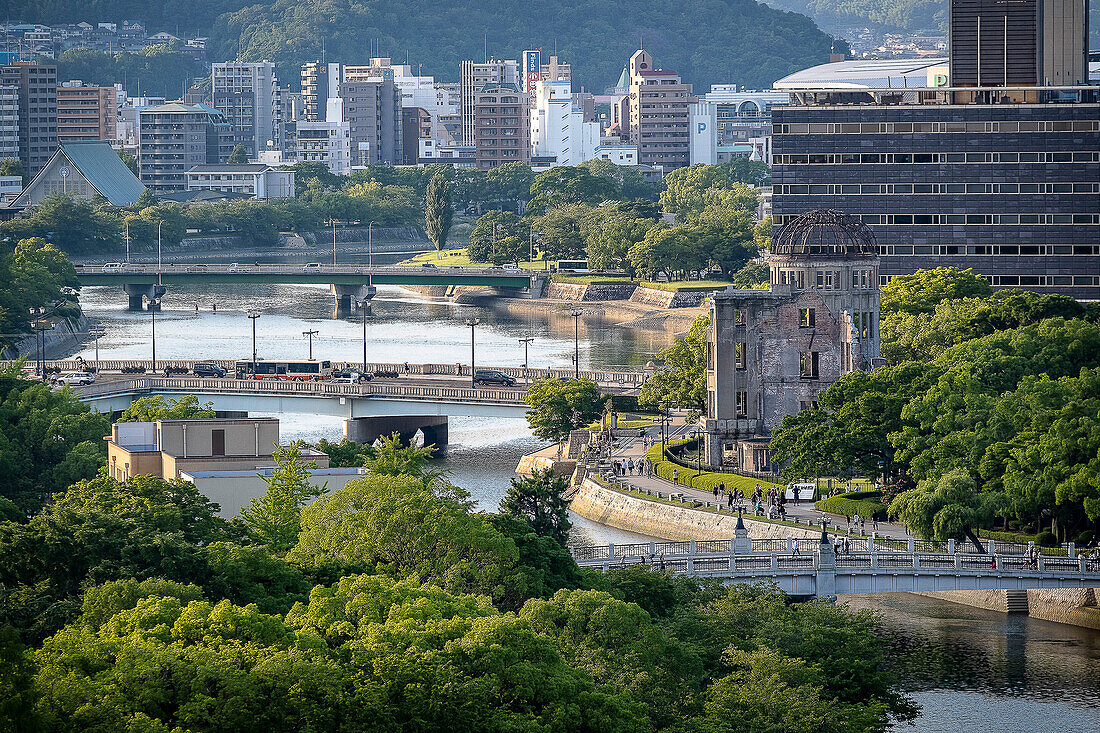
707	41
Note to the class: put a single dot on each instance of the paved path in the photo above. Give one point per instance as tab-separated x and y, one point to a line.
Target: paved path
627	448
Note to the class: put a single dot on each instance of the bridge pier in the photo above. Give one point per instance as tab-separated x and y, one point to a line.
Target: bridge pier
369	429
137	293
346	295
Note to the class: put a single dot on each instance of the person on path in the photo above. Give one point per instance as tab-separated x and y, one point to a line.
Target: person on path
715	492
662	561
675	476
874	523
796	547
630	466
729	500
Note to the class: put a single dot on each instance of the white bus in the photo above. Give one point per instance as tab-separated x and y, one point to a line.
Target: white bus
573	266
300	371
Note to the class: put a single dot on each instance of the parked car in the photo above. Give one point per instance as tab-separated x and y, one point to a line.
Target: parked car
492	376
353	376
75	378
427	264
208	369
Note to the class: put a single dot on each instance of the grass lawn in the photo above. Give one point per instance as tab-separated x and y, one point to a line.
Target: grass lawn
689	285
458	257
580	278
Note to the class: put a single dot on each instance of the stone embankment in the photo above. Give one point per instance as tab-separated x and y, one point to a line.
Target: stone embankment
669	521
1077	607
64	338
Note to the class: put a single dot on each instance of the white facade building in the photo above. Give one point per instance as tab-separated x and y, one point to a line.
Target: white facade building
617	153
558	129
254	179
9	122
247	94
325	142
703	133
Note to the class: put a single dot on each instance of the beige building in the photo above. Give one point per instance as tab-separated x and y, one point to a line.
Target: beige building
85	113
771	353
658	122
169	448
503	130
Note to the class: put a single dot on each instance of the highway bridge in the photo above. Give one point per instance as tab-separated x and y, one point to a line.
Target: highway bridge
148	282
806	568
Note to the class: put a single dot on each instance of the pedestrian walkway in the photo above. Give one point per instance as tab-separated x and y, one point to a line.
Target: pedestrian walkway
804	512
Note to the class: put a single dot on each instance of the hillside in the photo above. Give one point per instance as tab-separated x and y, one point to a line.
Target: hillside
708	41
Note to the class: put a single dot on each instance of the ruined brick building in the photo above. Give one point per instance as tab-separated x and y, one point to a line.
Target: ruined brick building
771	352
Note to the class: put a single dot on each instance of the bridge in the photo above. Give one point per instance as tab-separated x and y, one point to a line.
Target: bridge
149	281
807	569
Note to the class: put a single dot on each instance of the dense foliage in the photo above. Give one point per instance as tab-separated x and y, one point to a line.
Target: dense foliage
682	380
156	71
990	410
557	406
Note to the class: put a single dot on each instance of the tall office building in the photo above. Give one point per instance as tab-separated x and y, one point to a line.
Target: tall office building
946	173
9	122
174	137
37	88
247	94
474	76
559	134
500	118
86	113
372	108
658	122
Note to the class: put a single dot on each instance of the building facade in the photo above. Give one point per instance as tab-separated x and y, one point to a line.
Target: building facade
770	353
324	142
474	76
319	82
558	129
174	138
258	180
500	119
372	109
86	113
247	93
658	113
9	122
37	90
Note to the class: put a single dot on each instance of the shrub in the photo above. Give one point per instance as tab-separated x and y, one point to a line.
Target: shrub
1085	538
1046	539
706	480
847	504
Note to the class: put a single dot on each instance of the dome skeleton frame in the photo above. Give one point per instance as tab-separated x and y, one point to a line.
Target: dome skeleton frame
825	232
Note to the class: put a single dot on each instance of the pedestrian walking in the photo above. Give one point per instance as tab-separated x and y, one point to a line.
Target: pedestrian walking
874	523
406	367
715	492
630	466
675	475
662	561
795	547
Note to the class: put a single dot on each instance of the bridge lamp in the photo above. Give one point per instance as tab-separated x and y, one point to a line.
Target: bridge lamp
370	244
154	306
526	342
310	334
252	316
364	307
576	313
471	322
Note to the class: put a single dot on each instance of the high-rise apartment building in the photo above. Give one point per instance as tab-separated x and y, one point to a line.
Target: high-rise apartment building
86	113
500	114
247	93
559	134
173	138
372	109
320	81
9	122
37	88
658	122
474	76
1004	180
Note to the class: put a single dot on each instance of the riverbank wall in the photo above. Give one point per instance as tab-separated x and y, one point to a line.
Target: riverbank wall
63	339
669	521
1076	607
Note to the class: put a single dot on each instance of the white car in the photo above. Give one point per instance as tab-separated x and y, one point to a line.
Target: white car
312	266
75	378
235	267
350	379
112	266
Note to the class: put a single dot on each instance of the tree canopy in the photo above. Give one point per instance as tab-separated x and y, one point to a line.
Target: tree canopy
558	406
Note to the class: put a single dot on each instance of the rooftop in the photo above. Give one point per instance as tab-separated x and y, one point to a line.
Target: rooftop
863	74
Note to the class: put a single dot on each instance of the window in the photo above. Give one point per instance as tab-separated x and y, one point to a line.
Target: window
742	404
739	358
710	356
739	318
217	442
807	364
806	317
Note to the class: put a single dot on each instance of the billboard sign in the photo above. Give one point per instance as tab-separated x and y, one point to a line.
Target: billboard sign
532	68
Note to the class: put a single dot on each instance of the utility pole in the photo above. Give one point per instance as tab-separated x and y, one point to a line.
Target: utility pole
471	322
576	313
334	242
310	334
370	244
364	306
526	341
160	269
153	313
253	315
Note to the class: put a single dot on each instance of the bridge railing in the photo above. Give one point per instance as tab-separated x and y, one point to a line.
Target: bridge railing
269	268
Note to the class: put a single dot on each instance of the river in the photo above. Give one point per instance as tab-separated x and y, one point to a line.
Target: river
971	670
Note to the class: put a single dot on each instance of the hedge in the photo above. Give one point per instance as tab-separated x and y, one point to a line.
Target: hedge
847	506
1016	537
705	481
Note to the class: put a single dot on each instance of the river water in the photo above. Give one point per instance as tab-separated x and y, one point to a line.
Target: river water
971	670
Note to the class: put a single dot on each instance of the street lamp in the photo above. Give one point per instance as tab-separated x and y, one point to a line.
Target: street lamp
160	269
334	241
127	241
253	315
576	313
310	334
153	312
526	341
40	327
471	322
364	307
97	332
370	244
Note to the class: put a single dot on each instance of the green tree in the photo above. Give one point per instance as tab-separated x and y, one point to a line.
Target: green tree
492	228
609	243
159	407
69	223
238	156
562	230
275	519
563	185
13	167
509	184
682	381
437	211
688	191
628	182
131	162
924	289
538	499
556	407
949	507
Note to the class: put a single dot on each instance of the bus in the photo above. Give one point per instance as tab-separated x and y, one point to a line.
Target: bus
301	371
573	266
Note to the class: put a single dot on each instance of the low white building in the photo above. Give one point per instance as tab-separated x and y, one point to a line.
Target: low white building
558	130
617	153
325	142
431	151
258	180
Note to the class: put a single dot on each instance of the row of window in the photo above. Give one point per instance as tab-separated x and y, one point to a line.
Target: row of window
963	219
894	128
933	158
907	189
1040	250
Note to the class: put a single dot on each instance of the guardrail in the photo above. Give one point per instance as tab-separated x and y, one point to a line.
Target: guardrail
274	268
614	377
306	389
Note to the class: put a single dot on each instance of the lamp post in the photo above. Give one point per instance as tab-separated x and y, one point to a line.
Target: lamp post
40	327
97	332
310	334
364	306
252	316
153	339
334	241
160	269
370	244
471	322
531	249
127	241
526	341
576	313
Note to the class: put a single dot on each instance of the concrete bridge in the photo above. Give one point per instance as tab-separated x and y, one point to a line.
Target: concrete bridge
809	569
149	282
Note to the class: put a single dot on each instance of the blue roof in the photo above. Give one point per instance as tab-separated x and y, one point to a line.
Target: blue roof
100	164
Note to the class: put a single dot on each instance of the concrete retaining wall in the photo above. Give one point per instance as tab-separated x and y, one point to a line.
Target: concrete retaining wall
62	339
668	521
529	464
596	292
1077	607
667	298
